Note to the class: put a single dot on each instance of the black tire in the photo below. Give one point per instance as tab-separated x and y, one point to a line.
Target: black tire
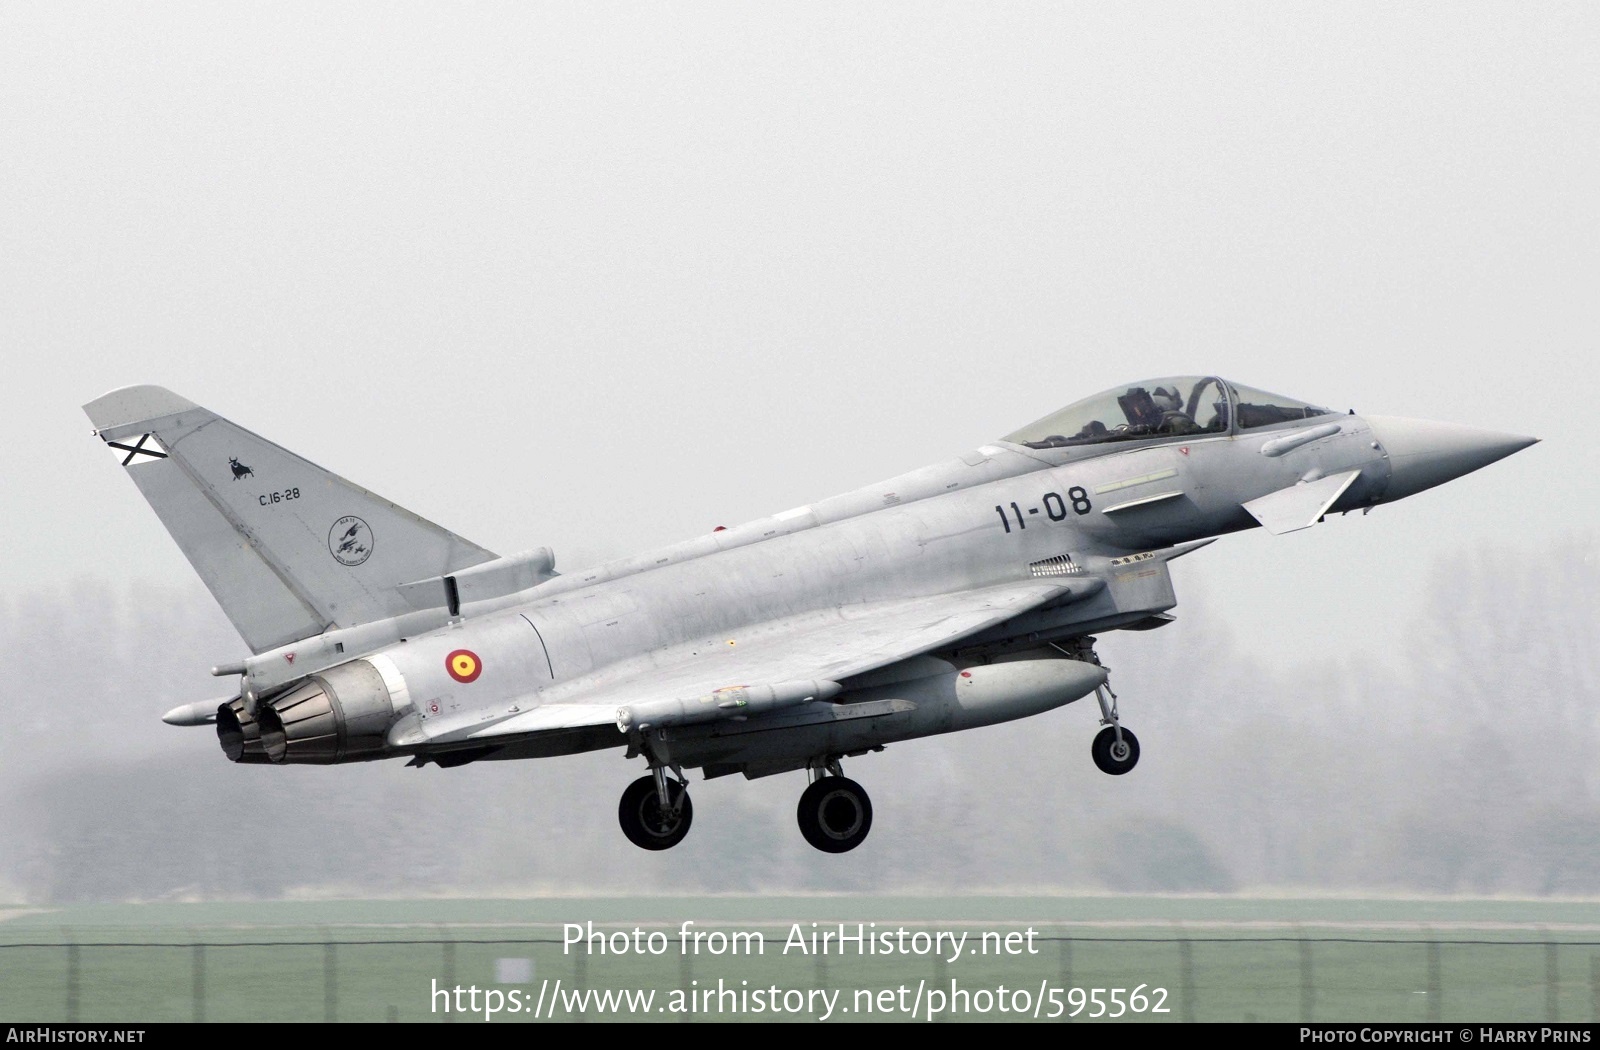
1105	746
643	821
835	814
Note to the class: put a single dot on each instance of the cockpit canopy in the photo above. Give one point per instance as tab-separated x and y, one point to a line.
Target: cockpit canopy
1163	408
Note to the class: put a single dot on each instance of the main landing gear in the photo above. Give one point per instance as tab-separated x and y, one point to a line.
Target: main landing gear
655	813
835	813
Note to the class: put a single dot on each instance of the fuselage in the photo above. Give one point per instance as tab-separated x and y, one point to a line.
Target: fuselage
959	595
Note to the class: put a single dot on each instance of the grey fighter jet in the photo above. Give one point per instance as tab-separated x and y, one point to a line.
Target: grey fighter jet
959	595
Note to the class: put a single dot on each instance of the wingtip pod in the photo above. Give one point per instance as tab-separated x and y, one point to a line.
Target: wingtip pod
133	405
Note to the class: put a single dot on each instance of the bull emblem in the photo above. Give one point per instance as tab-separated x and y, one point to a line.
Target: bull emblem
240	470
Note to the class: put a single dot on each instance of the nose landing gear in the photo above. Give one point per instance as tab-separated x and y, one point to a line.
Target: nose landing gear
1115	750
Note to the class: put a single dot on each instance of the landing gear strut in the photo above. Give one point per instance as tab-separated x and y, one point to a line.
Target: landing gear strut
655	813
1115	749
834	813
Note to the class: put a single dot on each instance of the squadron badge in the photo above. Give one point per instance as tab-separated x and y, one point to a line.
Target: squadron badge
350	541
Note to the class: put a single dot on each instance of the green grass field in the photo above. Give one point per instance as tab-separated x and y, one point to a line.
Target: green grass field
1213	958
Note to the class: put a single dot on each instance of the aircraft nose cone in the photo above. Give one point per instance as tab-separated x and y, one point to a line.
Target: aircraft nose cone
1423	453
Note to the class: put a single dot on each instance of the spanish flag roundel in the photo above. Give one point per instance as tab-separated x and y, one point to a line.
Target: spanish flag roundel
463	665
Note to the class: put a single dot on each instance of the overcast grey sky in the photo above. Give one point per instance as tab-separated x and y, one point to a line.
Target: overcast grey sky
604	276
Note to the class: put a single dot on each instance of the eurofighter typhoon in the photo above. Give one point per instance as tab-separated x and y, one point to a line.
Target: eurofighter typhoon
959	595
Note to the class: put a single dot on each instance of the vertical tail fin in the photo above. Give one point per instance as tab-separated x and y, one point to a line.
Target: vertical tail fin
286	548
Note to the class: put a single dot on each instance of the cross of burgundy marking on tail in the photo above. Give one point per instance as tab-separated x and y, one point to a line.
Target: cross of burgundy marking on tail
137	450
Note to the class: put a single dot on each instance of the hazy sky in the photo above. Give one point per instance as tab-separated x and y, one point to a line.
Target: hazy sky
604	276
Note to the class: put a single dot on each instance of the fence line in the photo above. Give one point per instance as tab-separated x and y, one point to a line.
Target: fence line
1188	997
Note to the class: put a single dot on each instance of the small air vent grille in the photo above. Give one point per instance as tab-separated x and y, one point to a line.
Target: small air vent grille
1060	565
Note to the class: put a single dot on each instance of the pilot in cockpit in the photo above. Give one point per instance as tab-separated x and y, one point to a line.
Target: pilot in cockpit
1173	407
1174	420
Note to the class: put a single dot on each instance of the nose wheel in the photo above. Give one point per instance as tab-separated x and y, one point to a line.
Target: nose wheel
1113	755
